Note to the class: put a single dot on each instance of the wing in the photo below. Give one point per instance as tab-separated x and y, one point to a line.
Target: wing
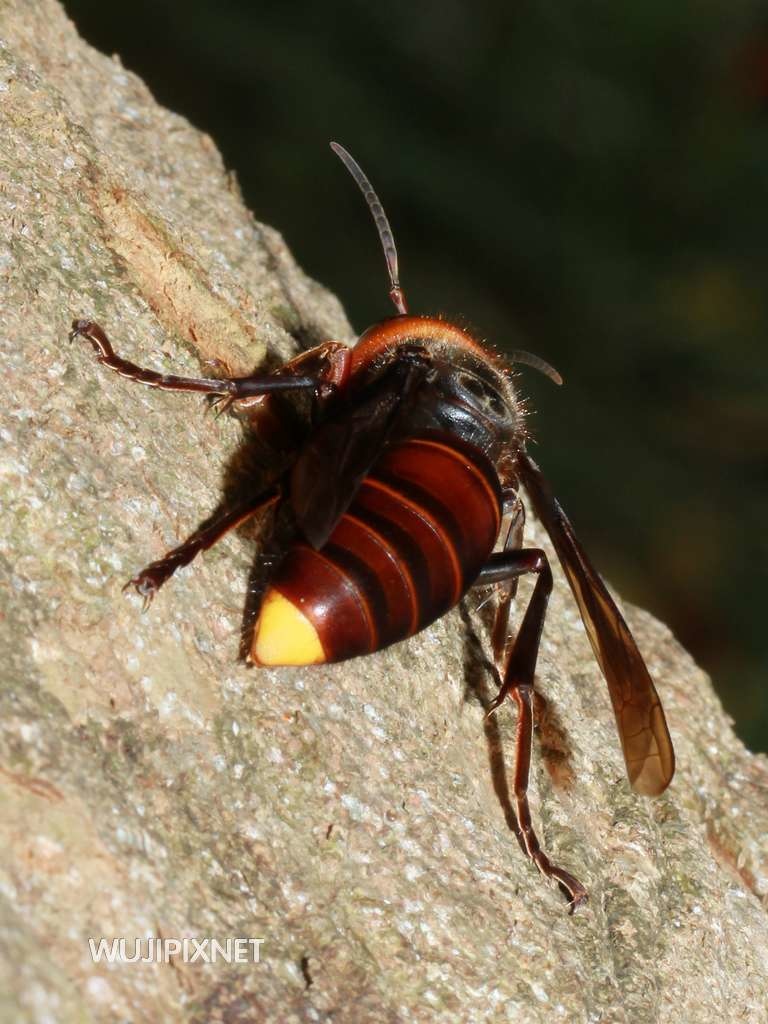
642	726
340	452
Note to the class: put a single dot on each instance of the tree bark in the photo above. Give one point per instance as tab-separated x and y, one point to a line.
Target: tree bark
352	816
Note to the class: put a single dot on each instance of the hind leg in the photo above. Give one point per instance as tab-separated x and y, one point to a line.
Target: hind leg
518	671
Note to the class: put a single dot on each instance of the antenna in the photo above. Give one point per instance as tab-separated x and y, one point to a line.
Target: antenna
382	225
529	359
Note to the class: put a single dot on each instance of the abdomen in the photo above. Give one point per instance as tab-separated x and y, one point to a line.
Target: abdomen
413	540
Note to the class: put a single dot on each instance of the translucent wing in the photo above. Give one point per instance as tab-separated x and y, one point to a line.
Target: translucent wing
640	719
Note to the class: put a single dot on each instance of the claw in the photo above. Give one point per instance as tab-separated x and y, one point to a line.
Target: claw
144	587
79	329
218	405
580	897
221	405
91	331
495	704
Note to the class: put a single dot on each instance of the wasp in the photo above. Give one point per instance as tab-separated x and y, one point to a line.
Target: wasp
412	456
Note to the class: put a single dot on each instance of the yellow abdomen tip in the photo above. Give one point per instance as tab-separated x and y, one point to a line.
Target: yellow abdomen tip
284	635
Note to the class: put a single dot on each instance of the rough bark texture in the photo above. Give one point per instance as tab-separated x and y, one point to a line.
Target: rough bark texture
352	816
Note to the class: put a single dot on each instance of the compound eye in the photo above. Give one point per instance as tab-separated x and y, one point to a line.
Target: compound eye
473	385
495	403
483	393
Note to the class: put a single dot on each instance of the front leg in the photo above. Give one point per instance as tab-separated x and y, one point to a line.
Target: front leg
226	387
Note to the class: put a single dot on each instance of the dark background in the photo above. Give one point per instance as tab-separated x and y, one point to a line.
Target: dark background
587	180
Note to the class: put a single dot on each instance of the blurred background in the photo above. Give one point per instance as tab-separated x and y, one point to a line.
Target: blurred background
589	181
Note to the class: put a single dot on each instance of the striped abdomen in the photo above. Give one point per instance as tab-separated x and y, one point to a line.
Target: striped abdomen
414	539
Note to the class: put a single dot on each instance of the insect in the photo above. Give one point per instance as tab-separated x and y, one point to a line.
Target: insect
412	455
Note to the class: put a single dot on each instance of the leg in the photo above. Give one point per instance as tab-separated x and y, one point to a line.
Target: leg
513	541
230	387
150	579
571	887
508	566
518	682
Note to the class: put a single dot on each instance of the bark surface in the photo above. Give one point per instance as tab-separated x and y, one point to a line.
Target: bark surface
351	816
